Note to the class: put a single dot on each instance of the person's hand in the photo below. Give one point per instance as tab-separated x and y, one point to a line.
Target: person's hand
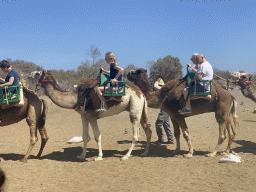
113	81
188	65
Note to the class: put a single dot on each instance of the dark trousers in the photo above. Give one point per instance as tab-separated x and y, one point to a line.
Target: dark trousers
163	120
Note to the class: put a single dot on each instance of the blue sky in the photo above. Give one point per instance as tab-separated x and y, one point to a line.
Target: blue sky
57	34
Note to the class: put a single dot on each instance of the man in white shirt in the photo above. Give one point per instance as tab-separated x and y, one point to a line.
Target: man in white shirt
204	72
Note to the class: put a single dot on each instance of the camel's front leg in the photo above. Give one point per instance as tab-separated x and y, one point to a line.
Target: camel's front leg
176	135
85	124
97	136
188	139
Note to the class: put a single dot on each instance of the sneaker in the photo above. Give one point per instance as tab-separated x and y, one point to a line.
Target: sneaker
184	110
159	142
169	142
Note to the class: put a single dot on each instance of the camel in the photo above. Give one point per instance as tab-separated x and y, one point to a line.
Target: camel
170	99
134	101
34	111
244	81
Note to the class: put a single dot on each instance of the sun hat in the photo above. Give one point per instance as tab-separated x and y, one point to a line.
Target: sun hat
161	82
194	55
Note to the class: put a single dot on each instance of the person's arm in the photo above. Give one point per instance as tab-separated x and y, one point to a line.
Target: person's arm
1	79
11	80
105	71
120	71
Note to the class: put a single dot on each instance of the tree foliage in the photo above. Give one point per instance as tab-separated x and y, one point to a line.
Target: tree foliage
167	68
128	69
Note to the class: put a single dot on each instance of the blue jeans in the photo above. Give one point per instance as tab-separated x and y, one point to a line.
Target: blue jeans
163	120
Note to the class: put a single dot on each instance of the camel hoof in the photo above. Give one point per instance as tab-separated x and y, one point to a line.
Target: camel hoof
223	153
124	158
210	155
98	159
82	157
143	154
24	160
189	155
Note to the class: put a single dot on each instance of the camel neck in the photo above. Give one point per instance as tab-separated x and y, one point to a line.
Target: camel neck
64	99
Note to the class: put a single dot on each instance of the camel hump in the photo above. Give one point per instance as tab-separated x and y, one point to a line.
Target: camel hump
88	84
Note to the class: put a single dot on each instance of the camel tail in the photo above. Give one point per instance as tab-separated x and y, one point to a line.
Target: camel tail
233	112
44	112
145	113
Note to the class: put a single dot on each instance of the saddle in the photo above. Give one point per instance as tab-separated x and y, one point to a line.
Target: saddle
19	103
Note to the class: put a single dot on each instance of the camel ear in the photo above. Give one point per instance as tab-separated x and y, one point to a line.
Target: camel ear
250	77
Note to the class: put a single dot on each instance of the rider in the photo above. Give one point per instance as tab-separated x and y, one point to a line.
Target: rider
204	72
12	77
115	76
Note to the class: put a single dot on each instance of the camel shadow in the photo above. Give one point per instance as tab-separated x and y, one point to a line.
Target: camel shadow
12	156
247	147
249	121
156	150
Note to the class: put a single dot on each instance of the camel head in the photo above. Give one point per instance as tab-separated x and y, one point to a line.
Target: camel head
140	78
241	79
235	76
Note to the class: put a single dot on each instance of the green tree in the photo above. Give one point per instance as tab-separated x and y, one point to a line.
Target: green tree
128	69
167	68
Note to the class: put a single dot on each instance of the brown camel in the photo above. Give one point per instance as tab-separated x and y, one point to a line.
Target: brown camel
170	99
134	102
244	81
34	110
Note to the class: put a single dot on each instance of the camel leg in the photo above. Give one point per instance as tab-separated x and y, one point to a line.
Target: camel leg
188	139
44	139
31	121
231	133
148	132
135	136
85	123
222	127
176	135
97	136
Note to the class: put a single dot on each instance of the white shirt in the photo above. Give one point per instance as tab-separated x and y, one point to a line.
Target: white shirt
207	71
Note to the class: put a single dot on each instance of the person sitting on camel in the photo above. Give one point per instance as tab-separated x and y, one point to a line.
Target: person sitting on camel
204	72
115	76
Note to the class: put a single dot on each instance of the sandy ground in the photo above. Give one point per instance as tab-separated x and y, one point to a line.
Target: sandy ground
60	170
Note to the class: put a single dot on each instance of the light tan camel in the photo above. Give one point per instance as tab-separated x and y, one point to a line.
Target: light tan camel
34	110
244	81
170	99
134	102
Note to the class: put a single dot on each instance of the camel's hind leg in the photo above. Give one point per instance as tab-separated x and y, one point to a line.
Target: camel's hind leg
222	136
231	133
85	123
31	120
42	129
146	127
97	136
148	132
134	121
